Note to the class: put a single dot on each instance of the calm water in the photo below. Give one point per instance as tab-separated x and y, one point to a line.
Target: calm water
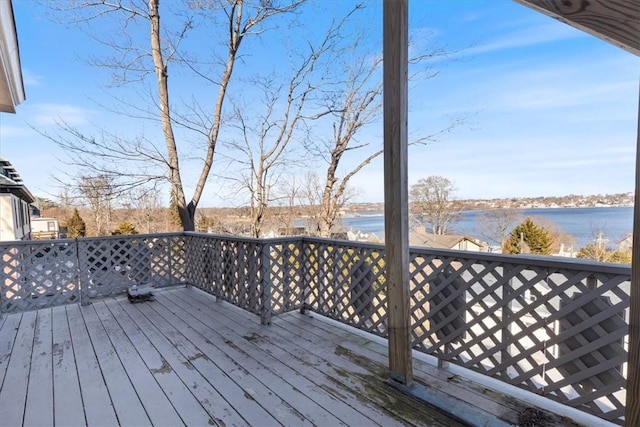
581	223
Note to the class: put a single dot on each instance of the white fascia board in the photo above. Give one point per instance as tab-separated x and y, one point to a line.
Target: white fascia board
11	85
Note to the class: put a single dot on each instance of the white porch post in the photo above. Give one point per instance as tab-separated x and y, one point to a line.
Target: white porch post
396	209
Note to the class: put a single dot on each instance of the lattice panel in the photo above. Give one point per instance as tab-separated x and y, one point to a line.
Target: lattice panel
347	283
559	332
285	266
38	275
227	268
178	261
111	265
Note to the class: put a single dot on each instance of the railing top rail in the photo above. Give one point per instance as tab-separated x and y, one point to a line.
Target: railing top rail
55	242
324	240
132	236
273	240
534	260
52	242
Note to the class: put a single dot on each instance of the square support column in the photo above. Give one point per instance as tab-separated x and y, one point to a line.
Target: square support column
396	208
632	408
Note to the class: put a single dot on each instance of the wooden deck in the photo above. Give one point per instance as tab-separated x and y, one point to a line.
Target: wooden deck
185	359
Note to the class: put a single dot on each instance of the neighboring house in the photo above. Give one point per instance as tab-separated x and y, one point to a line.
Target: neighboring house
445	241
45	228
15	199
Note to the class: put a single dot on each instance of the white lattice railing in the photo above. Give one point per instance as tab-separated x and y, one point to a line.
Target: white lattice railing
555	327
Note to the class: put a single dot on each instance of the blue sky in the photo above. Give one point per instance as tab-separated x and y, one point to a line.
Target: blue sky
550	110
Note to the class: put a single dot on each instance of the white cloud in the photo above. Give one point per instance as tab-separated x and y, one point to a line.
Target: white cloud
30	79
525	37
51	114
15	132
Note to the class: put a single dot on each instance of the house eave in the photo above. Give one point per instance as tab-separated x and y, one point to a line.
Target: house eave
11	85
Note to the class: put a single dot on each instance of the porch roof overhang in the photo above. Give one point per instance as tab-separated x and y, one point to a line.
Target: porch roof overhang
615	21
11	84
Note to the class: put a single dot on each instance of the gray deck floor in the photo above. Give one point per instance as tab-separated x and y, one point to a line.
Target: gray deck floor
186	359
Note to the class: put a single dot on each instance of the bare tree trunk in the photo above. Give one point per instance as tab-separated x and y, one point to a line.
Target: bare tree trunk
187	216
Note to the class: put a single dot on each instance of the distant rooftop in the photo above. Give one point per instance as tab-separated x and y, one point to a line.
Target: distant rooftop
11	182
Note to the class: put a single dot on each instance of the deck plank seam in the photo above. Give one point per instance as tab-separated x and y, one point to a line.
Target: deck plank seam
192	301
162	337
150	343
13	343
26	398
275	333
259	361
75	364
95	355
212	385
220	349
120	352
42	317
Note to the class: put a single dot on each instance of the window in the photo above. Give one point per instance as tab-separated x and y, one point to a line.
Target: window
51	226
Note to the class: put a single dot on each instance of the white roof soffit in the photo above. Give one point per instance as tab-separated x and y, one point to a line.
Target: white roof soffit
11	85
615	21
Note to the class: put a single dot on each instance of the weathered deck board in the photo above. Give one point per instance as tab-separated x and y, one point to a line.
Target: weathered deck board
39	405
185	402
66	384
13	394
360	388
488	403
349	369
438	379
8	331
188	365
97	404
155	402
126	402
273	363
245	362
187	359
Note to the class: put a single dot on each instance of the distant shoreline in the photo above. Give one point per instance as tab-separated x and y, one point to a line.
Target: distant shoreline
619	200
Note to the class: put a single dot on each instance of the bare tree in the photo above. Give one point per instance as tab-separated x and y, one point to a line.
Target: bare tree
289	192
354	102
266	138
146	209
149	62
432	201
496	224
263	153
354	106
325	203
98	192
